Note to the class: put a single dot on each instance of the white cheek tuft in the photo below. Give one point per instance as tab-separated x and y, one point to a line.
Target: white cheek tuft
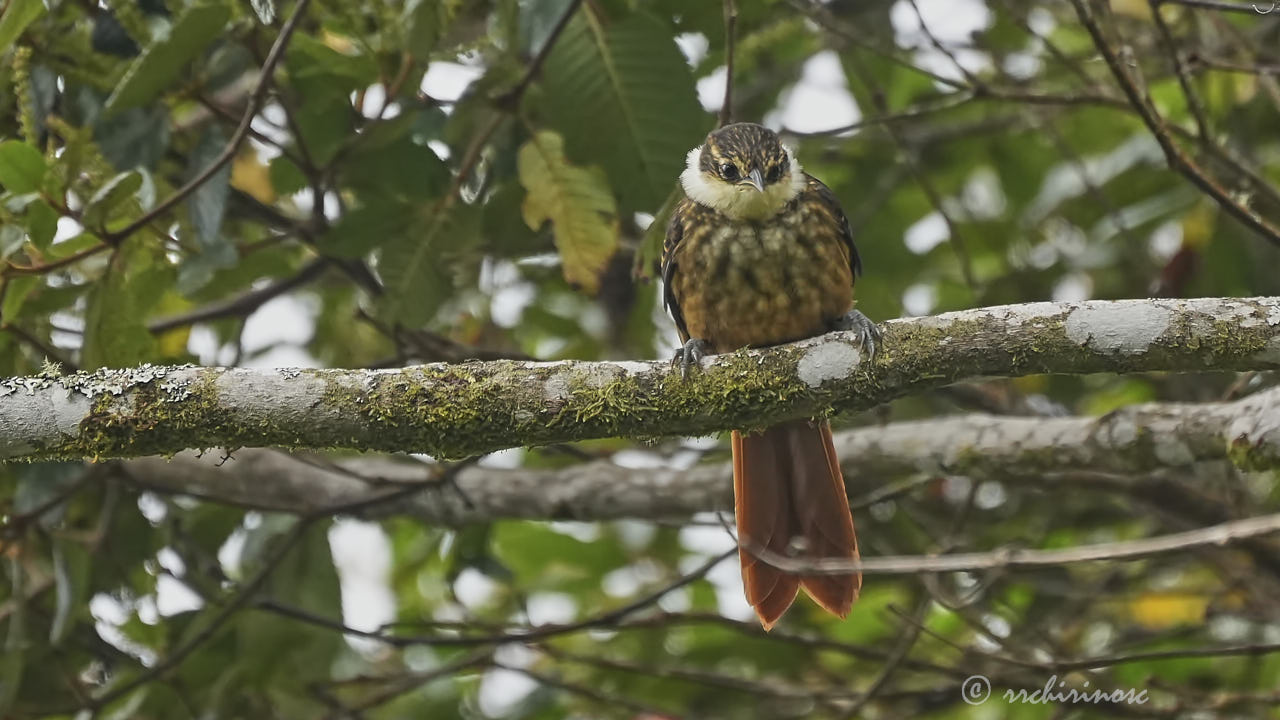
798	181
735	201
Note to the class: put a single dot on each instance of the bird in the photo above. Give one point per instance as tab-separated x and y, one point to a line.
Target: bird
758	253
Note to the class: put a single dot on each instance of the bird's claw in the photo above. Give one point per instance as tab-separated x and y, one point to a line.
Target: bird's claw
866	331
691	354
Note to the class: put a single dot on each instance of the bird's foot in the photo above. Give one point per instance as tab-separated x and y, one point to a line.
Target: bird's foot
691	354
867	332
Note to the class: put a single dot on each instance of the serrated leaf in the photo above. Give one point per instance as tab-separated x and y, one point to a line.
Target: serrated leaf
576	201
108	198
17	15
164	60
625	95
115	333
208	204
22	167
416	267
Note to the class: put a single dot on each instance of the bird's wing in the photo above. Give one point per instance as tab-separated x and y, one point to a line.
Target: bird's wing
675	233
832	204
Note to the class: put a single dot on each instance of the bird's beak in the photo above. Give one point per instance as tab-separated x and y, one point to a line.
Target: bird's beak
754	179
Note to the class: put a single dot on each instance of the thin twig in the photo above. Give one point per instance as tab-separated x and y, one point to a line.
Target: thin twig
49	351
175	657
1174	155
1223	6
41	269
510	99
1015	558
245	304
238	137
730	29
522	635
1180	69
922	178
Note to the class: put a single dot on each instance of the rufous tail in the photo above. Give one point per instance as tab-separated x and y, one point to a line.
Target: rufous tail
790	502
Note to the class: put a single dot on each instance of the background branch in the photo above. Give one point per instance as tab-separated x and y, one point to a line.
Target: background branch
1124	446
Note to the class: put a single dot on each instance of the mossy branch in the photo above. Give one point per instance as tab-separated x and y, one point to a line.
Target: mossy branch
1141	450
463	409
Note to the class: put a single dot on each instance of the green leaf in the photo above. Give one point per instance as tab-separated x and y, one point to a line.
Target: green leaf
16	290
365	228
40	483
310	58
12	239
105	203
546	559
424	22
578	204
624	97
165	59
198	269
286	177
324	122
283	656
115	333
13	659
42	223
392	164
134	138
17	15
416	266
70	576
208	204
22	167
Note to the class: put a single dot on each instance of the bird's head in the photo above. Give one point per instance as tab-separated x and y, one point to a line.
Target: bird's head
744	171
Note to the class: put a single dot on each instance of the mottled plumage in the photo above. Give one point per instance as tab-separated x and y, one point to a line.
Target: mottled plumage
760	253
740	283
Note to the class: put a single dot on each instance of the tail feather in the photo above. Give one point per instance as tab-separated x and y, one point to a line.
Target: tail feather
790	501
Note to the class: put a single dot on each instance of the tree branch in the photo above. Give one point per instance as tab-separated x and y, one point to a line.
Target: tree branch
466	409
1139	439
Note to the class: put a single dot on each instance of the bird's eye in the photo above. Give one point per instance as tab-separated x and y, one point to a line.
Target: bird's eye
729	171
775	173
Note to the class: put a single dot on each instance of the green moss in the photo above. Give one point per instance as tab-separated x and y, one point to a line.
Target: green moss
149	420
1250	456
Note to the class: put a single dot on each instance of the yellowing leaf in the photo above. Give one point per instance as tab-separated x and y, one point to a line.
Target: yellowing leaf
1163	610
335	41
1197	225
251	177
578	203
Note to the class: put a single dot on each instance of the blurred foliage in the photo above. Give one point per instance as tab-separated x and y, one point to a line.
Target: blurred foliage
371	215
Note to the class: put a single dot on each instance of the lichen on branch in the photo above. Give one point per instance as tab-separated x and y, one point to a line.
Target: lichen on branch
463	409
